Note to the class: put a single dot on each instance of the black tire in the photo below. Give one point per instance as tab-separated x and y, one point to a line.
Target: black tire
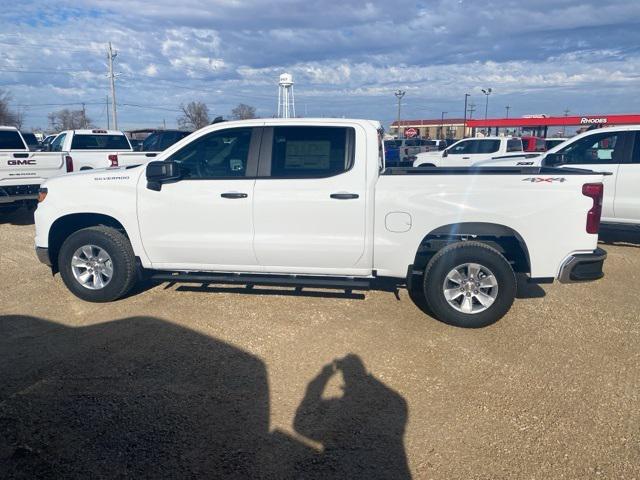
123	261
458	254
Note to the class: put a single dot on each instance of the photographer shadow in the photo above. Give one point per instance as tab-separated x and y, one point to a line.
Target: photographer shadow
146	398
361	431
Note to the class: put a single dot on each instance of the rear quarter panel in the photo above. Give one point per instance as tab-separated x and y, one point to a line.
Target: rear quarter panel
547	211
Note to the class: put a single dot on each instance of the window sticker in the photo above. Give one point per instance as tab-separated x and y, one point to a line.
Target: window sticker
308	154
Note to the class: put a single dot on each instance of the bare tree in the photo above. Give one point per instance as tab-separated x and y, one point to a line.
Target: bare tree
66	119
243	112
195	115
7	116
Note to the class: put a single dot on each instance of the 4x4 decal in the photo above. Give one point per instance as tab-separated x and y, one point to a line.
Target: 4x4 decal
544	179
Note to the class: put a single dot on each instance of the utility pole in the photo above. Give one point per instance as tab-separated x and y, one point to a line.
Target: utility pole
464	123
507	108
84	116
111	55
399	94
472	108
107	110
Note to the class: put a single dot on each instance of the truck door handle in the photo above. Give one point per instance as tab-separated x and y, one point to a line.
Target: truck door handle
465	158
344	196
233	195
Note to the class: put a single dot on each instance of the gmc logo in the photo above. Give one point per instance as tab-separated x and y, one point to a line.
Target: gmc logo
21	162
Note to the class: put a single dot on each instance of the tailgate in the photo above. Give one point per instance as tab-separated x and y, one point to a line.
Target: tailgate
21	168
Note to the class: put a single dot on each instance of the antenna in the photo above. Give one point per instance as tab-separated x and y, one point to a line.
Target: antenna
286	100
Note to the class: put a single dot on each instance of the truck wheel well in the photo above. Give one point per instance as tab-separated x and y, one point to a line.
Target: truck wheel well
65	226
504	239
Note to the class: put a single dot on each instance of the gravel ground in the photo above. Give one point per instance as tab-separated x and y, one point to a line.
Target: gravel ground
179	381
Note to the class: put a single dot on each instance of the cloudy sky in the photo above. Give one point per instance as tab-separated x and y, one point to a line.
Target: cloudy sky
347	57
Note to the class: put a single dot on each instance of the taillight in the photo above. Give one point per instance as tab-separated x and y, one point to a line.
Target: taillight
42	194
114	160
68	161
596	192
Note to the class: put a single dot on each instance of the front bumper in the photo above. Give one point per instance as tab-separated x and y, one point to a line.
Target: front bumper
43	255
583	267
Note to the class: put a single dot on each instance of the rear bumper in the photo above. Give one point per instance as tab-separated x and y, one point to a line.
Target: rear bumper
43	255
17	193
583	267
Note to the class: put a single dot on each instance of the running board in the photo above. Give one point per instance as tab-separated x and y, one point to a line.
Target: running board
347	283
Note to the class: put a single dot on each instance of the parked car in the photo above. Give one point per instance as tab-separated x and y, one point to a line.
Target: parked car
47	141
32	141
163	139
23	170
310	202
533	144
553	142
136	144
615	150
467	151
97	148
408	148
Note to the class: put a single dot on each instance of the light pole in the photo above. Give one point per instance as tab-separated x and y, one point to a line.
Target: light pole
487	92
507	108
566	114
399	94
442	125
464	123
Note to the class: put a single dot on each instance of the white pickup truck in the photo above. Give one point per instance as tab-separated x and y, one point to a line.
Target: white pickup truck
309	203
97	148
22	171
613	149
468	151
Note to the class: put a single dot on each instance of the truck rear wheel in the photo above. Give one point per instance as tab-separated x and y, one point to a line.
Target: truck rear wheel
469	284
97	264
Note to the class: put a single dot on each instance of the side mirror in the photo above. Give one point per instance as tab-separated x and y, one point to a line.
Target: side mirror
554	159
445	153
162	172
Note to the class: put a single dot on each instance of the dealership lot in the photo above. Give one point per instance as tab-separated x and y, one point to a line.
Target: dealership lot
184	380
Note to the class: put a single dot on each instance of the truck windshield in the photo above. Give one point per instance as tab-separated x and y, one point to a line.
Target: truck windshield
10	140
100	142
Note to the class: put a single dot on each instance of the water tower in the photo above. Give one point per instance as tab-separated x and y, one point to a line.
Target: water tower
286	102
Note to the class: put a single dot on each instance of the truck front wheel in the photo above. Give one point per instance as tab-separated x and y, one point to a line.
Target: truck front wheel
469	284
97	264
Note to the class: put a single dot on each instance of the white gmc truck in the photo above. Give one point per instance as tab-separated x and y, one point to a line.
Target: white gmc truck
309	203
22	171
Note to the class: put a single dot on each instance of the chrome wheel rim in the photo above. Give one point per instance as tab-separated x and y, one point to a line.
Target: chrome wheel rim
470	288
92	267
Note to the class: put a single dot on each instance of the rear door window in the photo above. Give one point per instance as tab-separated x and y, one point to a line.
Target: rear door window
475	146
10	140
311	152
100	142
514	145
